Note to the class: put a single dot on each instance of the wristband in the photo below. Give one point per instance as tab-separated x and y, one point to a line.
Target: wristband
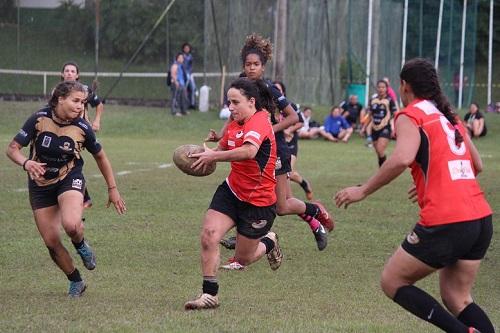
24	164
111	188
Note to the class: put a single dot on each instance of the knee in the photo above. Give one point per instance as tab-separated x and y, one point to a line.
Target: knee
208	238
455	303
74	229
389	284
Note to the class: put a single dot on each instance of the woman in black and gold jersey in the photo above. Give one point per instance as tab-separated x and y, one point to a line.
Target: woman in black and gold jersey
57	135
382	108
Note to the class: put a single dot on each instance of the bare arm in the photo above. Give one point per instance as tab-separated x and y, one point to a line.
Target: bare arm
403	155
291	118
96	124
213	136
107	172
173	70
245	152
476	158
34	169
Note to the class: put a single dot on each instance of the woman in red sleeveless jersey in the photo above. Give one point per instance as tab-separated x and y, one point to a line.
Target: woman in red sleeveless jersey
455	226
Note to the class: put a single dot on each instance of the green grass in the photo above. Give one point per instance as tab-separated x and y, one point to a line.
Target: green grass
148	260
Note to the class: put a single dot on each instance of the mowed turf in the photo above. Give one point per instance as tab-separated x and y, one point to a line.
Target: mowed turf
148	260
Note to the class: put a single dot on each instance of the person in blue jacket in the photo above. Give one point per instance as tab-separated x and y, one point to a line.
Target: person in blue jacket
337	127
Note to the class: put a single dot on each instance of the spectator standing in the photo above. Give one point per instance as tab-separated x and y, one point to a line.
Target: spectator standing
188	69
178	86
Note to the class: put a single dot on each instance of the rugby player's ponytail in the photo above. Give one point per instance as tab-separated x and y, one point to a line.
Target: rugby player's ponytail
63	89
421	75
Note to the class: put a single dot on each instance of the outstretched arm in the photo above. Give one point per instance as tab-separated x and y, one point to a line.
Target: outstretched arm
114	196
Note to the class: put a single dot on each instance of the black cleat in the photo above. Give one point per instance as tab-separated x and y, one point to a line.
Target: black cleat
321	237
229	243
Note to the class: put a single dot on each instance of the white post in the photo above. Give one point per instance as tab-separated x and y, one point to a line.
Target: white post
462	49
368	52
405	27
490	52
44	84
438	38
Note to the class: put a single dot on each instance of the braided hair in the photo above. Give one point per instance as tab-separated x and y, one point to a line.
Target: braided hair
421	75
256	44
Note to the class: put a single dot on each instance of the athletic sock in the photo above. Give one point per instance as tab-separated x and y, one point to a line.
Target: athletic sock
313	223
79	244
311	209
74	276
425	307
474	316
381	160
304	185
268	242
210	285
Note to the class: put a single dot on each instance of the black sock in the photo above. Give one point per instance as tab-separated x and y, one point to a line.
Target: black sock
210	285
474	316
311	209
74	276
78	245
304	185
381	160
425	307
268	242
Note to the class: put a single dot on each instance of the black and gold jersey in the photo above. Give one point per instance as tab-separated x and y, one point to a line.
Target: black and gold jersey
382	110
57	145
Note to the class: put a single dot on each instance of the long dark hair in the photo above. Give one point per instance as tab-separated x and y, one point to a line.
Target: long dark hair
421	75
64	89
70	63
256	89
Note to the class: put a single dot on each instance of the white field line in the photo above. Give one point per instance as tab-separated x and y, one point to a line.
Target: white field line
119	173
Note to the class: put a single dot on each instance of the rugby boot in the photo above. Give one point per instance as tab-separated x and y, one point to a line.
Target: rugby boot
323	217
232	265
321	237
87	255
76	289
229	243
275	256
202	301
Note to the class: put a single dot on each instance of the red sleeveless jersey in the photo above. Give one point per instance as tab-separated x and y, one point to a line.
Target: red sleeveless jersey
443	172
253	181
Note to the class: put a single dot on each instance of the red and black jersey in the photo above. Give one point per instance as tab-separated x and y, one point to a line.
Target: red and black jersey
57	145
443	172
253	180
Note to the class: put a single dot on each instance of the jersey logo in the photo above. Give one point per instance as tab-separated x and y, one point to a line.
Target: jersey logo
239	134
66	147
254	134
231	143
460	169
278	164
46	141
23	133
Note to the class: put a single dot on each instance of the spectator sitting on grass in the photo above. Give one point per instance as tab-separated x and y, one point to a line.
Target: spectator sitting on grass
310	129
474	121
336	127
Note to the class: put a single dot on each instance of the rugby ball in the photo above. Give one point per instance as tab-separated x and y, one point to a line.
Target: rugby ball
183	160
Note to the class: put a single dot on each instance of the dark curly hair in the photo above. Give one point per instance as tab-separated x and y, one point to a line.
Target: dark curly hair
421	75
256	44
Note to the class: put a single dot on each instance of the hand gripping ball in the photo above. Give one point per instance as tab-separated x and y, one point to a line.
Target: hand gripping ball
184	162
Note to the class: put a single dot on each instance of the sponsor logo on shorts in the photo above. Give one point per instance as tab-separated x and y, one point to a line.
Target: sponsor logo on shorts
259	224
77	183
46	141
413	238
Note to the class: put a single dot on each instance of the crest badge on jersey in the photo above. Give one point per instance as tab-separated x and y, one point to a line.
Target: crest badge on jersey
46	141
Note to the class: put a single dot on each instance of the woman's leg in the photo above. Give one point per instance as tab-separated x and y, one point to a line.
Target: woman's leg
456	283
400	273
477	127
248	250
380	146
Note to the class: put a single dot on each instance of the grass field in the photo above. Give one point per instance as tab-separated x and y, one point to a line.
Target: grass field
148	260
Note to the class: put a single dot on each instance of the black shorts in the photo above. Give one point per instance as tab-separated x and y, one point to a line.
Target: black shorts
283	160
293	147
251	221
383	133
46	196
443	245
